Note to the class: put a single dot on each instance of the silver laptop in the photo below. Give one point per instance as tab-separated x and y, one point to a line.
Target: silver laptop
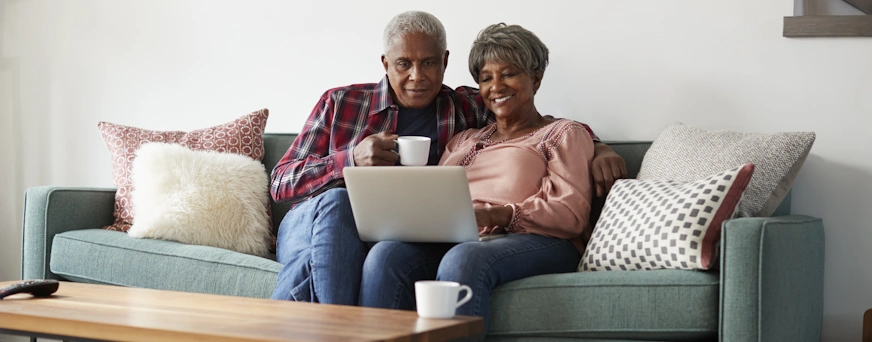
411	203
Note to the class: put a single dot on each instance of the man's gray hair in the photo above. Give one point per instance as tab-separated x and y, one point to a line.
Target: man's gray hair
413	22
510	44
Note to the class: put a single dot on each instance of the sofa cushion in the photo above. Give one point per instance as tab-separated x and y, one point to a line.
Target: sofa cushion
111	257
685	153
242	136
275	145
662	224
203	198
673	305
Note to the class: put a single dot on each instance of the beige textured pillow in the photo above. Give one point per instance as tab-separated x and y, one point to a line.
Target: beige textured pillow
684	153
204	198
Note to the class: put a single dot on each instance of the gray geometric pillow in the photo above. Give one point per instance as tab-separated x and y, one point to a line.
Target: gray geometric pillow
661	224
684	153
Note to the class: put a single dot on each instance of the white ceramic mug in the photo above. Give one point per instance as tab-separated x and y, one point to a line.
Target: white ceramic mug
414	151
438	299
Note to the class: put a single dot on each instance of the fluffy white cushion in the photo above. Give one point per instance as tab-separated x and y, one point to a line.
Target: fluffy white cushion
201	198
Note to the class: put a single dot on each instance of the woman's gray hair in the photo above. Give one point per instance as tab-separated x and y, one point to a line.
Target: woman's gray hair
510	44
412	22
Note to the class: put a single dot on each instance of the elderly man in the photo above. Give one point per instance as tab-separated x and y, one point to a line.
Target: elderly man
355	126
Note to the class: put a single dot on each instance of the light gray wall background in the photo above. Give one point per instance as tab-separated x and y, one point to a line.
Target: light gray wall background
830	7
10	201
627	68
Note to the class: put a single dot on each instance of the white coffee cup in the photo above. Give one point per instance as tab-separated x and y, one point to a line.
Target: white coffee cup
414	151
438	299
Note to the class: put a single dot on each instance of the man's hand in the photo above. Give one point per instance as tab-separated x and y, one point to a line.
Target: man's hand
606	167
376	150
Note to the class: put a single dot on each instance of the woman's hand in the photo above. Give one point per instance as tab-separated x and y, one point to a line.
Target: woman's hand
607	167
491	218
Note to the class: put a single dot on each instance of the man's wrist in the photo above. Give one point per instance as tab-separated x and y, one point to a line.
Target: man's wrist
339	161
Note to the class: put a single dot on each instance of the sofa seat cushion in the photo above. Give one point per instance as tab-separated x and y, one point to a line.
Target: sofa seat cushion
674	305
111	257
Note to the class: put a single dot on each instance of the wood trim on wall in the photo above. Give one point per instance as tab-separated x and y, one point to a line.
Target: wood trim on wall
863	5
814	7
815	20
828	26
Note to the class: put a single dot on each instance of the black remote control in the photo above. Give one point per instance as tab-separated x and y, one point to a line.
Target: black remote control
38	288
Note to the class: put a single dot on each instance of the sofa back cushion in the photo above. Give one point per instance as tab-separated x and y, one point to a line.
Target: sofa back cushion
276	144
632	152
274	147
685	153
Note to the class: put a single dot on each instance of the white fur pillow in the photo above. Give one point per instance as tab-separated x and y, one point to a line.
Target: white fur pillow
200	198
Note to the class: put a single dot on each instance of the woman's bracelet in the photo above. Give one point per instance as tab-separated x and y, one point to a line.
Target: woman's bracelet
515	214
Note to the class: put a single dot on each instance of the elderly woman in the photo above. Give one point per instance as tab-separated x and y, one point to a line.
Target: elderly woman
529	177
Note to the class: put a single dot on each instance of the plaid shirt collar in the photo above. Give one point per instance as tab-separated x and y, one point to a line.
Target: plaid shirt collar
381	96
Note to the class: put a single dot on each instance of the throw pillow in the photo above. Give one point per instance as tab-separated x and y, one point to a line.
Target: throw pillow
241	136
661	224
201	198
684	153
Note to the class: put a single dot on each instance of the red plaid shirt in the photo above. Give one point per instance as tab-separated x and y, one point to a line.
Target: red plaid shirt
344	116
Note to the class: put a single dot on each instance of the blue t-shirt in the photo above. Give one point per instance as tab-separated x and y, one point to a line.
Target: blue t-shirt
420	122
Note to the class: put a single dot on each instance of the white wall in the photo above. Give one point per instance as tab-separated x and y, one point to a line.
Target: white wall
626	68
830	7
10	199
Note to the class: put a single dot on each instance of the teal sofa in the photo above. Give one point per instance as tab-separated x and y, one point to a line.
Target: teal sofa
768	286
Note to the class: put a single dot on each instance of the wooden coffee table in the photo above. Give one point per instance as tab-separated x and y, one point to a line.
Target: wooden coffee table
101	312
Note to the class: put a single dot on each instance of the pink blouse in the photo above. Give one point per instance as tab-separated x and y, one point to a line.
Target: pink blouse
544	176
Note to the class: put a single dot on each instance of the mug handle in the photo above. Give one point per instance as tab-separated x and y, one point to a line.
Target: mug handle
465	298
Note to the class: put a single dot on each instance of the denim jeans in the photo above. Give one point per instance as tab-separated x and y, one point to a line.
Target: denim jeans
321	251
392	268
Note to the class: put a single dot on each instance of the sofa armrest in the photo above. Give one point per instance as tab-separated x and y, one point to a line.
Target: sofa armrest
50	210
772	275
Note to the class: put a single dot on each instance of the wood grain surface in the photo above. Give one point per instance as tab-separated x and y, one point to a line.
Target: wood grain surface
133	314
828	26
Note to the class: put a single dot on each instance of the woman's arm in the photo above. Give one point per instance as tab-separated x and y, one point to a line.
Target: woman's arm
561	208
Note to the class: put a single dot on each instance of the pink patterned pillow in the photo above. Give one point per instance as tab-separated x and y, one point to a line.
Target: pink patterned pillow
242	136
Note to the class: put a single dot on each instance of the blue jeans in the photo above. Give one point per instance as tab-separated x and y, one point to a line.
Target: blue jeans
392	268
321	251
